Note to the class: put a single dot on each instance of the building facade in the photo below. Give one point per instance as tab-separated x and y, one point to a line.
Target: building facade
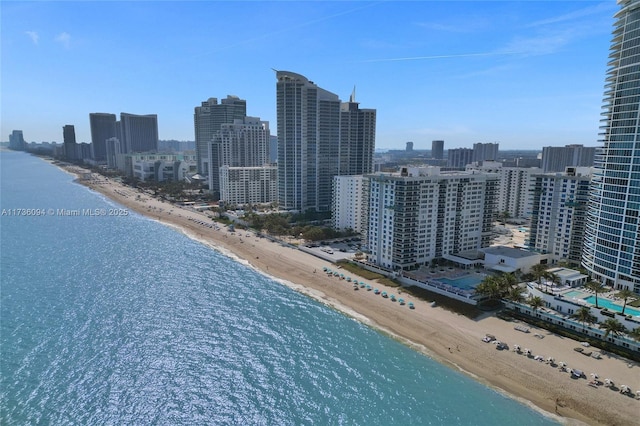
611	247
16	141
318	136
559	214
207	119
459	157
357	138
138	133
103	127
161	166
350	208
242	143
515	196
421	214
248	185
485	151
437	150
69	142
558	158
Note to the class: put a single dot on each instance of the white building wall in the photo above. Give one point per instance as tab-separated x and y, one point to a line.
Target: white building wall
349	205
248	185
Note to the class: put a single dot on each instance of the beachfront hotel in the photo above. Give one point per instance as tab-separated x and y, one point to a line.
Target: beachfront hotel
207	119
138	133
319	137
421	214
611	246
559	210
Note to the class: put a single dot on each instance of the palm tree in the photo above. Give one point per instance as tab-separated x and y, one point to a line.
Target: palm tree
596	287
583	315
515	294
535	302
538	270
625	294
507	281
489	287
634	334
612	325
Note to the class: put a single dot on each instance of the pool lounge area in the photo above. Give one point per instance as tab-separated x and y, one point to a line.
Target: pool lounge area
606	303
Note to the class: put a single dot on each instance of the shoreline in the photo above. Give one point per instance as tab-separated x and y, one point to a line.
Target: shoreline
448	338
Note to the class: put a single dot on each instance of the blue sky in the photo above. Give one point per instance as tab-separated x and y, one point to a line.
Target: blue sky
525	74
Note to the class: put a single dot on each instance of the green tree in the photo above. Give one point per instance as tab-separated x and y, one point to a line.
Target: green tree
489	287
612	326
538	270
596	287
535	302
515	294
583	315
634	334
625	294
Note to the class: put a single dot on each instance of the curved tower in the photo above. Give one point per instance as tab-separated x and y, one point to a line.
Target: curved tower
612	235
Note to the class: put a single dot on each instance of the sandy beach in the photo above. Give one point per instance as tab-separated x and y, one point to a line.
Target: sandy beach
448	337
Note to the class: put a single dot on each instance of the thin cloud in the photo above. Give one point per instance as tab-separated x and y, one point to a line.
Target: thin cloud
607	7
422	58
33	36
64	38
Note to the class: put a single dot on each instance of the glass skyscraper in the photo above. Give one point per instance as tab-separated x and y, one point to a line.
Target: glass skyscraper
612	237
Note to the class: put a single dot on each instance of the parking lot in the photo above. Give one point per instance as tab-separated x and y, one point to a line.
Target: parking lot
333	250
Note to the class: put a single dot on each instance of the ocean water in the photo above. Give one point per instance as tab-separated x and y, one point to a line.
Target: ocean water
121	320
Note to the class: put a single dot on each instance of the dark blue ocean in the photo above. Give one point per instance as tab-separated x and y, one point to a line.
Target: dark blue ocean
124	321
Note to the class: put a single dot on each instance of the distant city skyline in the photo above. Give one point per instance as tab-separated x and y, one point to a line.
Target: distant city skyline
522	74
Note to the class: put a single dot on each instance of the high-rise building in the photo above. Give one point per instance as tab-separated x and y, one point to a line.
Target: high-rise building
248	185
485	151
16	141
312	126
558	213
421	214
242	143
350	203
69	141
437	150
459	157
558	158
611	246
138	133
207	119
515	195
357	138
103	127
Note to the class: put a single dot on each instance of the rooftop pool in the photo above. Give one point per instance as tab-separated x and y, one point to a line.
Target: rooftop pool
466	282
574	293
612	306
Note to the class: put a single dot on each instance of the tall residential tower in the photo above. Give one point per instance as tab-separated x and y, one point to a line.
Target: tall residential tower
611	246
103	127
207	119
319	137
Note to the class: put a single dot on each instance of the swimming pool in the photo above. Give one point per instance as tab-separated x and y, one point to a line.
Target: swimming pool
574	293
466	282
613	306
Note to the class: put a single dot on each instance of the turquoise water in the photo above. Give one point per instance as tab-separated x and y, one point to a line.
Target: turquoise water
573	293
123	321
612	306
467	282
